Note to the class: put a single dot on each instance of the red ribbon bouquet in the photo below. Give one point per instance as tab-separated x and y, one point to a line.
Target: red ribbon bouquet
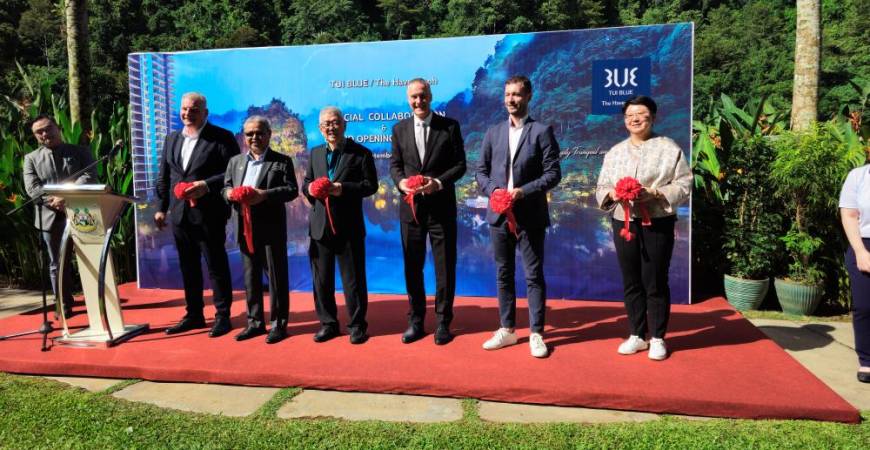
414	182
502	203
179	189
244	195
628	189
320	190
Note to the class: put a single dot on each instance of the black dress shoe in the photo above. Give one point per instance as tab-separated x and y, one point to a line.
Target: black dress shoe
250	332
864	377
221	327
358	336
443	335
325	333
186	325
276	335
413	333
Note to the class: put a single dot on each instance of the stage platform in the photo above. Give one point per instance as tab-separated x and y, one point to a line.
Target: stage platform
720	366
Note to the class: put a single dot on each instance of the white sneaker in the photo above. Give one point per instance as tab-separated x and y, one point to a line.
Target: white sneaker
536	344
501	338
657	349
632	345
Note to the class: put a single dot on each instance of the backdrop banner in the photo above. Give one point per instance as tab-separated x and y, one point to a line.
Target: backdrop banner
579	77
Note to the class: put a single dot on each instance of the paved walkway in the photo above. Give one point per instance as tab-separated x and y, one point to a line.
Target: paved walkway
827	349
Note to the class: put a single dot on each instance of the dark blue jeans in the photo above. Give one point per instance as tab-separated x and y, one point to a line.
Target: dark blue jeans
531	245
860	282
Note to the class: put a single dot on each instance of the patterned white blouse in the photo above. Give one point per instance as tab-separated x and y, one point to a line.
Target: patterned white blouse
658	163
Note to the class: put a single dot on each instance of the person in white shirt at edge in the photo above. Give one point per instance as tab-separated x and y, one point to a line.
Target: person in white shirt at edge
855	215
533	153
657	162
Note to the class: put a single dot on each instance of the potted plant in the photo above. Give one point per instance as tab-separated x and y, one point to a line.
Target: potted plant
750	240
808	173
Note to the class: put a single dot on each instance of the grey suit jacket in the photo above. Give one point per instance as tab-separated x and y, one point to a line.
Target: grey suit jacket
40	169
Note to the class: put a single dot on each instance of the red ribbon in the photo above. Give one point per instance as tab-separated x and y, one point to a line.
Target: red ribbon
244	195
320	190
628	189
179	192
414	182
502	203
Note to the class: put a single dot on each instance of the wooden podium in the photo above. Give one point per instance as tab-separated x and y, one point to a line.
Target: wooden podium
92	212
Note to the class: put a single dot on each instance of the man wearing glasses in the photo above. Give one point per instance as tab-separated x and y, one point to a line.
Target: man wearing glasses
340	174
257	185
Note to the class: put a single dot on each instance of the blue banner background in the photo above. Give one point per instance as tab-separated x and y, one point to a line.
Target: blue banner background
366	80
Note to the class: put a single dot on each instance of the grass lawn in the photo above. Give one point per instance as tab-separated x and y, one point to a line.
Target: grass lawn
40	413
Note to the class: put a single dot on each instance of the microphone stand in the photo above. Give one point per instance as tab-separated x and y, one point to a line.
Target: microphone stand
46	328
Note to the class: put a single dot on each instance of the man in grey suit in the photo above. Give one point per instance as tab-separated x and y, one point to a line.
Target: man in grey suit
431	146
54	162
521	156
272	179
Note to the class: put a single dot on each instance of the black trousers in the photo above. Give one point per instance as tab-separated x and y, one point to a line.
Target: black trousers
273	258
193	242
351	257
860	282
531	245
644	263
443	239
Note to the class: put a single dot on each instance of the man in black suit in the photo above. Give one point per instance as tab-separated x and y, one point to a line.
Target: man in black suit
350	169
198	154
429	145
530	150
272	180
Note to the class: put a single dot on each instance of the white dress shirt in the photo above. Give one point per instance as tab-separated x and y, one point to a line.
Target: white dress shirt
189	144
514	135
421	132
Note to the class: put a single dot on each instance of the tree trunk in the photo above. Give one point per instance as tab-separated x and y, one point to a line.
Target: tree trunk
807	60
76	12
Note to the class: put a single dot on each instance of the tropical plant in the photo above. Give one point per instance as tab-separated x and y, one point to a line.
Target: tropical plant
807	174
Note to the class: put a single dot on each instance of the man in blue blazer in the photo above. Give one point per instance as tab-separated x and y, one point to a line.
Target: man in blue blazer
521	156
198	154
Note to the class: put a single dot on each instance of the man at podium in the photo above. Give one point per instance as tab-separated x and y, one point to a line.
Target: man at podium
189	187
53	163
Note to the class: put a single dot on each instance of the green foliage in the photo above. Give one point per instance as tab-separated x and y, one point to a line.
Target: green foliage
752	218
808	173
18	258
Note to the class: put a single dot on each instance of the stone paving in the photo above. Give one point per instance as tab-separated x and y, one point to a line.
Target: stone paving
824	348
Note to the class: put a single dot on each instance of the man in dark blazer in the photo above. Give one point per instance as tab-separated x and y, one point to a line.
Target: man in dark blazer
429	145
271	176
350	168
54	162
521	156
198	154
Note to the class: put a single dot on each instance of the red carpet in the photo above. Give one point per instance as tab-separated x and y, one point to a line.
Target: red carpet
720	365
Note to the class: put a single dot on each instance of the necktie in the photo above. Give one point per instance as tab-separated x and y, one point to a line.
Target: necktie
420	138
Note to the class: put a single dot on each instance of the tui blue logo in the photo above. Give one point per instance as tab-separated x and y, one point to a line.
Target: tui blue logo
616	80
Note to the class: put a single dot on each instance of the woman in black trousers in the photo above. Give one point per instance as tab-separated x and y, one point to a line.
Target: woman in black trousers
644	245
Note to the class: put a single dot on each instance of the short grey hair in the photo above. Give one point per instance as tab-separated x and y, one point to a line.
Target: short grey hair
330	110
196	97
259	120
422	81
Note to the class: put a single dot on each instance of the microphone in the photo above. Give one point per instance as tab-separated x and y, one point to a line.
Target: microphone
119	144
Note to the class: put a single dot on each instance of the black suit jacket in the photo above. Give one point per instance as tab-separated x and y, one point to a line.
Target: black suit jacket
358	176
208	162
444	160
535	169
269	217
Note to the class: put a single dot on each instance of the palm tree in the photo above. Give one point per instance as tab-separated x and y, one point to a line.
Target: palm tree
76	14
807	60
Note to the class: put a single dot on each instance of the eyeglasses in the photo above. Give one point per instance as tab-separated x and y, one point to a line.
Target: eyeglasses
637	116
258	134
330	124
